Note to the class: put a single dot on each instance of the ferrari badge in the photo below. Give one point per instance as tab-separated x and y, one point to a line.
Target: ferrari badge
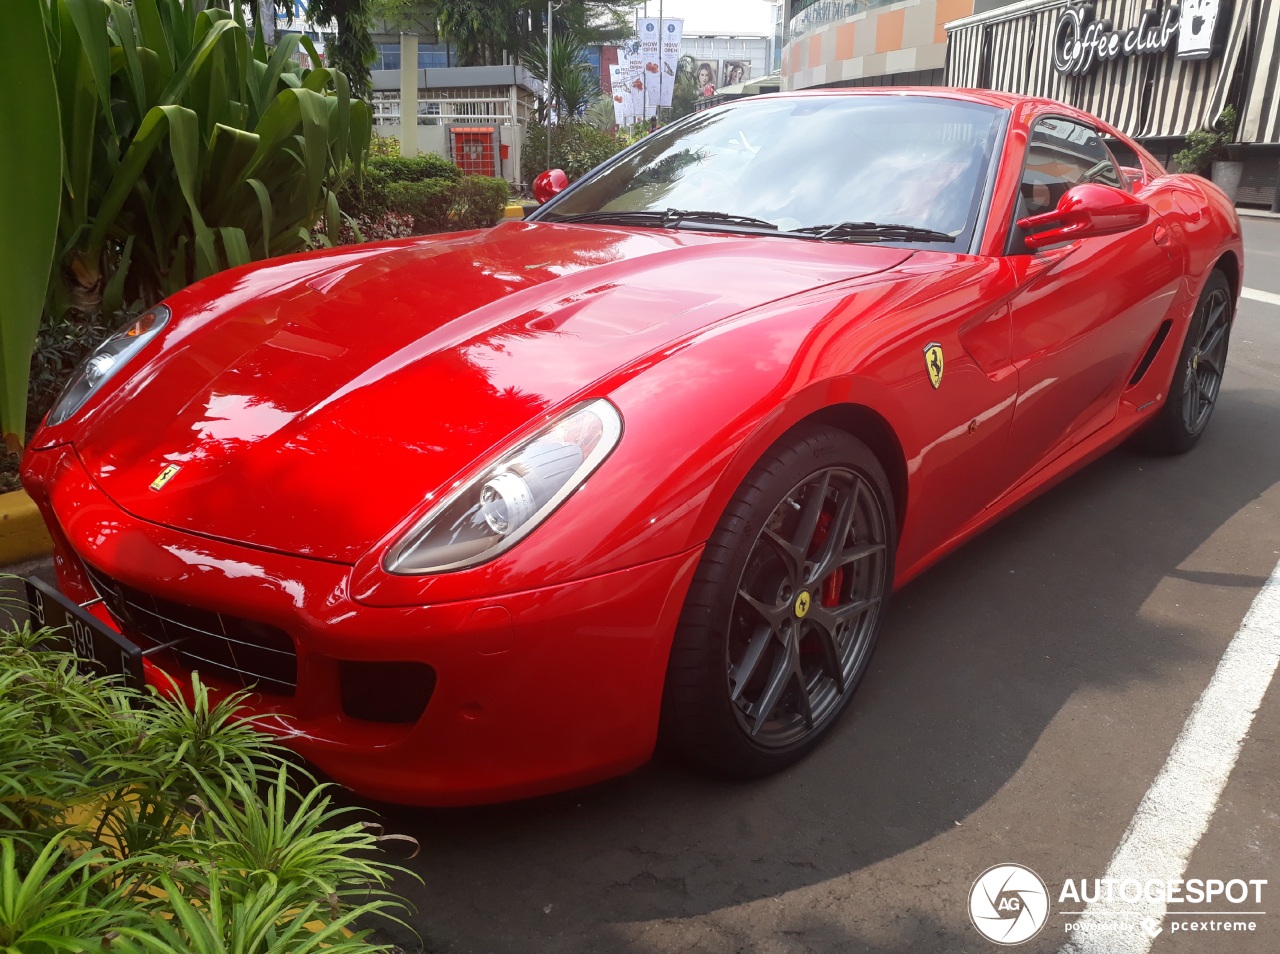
933	363
164	477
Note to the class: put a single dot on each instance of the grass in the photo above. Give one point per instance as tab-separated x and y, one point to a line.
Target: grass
131	822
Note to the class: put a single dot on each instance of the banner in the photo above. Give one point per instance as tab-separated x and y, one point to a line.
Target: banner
621	96
635	74
651	59
672	34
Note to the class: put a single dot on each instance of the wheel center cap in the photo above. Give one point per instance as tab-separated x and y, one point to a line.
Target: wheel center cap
802	604
1195	361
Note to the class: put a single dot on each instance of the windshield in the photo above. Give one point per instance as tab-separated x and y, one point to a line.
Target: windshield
808	163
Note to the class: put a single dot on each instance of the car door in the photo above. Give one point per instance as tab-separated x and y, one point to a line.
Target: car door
1083	313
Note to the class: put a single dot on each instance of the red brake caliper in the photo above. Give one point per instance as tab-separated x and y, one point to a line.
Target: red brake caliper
832	584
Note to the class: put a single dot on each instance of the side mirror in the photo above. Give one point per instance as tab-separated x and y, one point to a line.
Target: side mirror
1085	211
549	184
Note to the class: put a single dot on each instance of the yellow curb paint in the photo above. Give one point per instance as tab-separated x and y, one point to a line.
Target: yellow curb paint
22	531
515	211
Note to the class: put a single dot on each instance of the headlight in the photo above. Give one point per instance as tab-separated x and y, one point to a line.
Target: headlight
108	358
497	507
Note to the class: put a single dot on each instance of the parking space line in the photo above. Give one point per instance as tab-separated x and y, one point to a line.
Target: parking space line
1257	294
1175	812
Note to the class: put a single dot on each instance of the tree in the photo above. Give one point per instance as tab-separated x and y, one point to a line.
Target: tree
573	83
685	92
353	51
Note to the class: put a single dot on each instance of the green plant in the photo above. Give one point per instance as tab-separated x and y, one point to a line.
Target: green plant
383	146
369	197
30	160
441	205
573	83
132	821
577	148
480	201
430	203
191	147
1205	145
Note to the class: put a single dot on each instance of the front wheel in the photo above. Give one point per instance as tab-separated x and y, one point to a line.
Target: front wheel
1197	378
785	607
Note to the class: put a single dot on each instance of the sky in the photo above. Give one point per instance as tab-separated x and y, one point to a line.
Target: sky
717	16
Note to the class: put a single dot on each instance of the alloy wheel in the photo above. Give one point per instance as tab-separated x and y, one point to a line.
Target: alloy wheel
806	608
1202	376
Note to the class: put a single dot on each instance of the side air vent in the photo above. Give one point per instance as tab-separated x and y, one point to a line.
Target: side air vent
1152	350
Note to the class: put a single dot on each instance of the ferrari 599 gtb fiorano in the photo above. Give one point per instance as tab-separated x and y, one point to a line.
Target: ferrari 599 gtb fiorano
481	515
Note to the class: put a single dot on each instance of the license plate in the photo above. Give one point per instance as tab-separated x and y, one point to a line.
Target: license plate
101	650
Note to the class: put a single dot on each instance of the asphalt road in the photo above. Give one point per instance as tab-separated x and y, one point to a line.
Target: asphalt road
1027	692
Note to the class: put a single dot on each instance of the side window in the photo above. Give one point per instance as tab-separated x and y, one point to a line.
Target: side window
1125	158
1063	154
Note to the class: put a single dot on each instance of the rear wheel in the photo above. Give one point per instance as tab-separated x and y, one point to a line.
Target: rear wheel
785	607
1198	377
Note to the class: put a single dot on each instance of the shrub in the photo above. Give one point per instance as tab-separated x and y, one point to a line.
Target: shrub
136	823
370	198
1205	145
439	205
383	146
577	148
480	201
430	203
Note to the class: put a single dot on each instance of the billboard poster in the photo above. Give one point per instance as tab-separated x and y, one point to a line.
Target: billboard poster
706	72
735	72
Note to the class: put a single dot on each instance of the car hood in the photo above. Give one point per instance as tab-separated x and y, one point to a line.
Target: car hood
312	405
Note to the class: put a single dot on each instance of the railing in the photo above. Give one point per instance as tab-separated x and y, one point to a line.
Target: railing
821	13
436	110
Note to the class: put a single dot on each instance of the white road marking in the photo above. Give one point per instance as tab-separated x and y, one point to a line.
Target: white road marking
1257	294
1177	808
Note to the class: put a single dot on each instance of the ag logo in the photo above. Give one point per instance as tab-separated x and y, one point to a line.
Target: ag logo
164	476
1008	904
933	363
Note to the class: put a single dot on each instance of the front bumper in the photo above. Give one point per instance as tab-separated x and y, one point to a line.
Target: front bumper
535	691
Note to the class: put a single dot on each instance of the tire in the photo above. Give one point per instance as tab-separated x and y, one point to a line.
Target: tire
1197	377
774	638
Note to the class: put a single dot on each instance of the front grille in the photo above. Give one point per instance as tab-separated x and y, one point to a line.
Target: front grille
238	652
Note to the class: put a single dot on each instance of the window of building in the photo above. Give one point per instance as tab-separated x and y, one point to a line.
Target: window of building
1063	154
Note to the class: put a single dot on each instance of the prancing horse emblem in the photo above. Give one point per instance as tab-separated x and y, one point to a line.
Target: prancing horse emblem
933	363
165	476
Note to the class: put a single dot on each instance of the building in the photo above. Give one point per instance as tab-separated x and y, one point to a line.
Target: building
1154	73
868	42
1151	69
475	116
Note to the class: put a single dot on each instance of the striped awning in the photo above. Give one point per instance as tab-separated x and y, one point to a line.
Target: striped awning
1011	49
1261	110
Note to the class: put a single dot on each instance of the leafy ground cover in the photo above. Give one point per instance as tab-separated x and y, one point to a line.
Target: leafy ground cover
135	823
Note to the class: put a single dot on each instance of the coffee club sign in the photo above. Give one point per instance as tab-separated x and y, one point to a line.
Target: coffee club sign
1080	42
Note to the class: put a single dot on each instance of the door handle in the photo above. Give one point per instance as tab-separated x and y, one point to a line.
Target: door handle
1160	235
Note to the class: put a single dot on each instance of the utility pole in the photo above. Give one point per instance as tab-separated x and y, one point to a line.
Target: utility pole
662	57
550	12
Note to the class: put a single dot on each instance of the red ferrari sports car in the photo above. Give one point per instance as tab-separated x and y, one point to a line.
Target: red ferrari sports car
482	515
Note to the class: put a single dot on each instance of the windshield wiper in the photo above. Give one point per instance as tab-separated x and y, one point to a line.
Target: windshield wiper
668	218
873	230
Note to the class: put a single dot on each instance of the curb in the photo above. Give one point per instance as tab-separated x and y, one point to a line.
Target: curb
1257	214
515	210
22	531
